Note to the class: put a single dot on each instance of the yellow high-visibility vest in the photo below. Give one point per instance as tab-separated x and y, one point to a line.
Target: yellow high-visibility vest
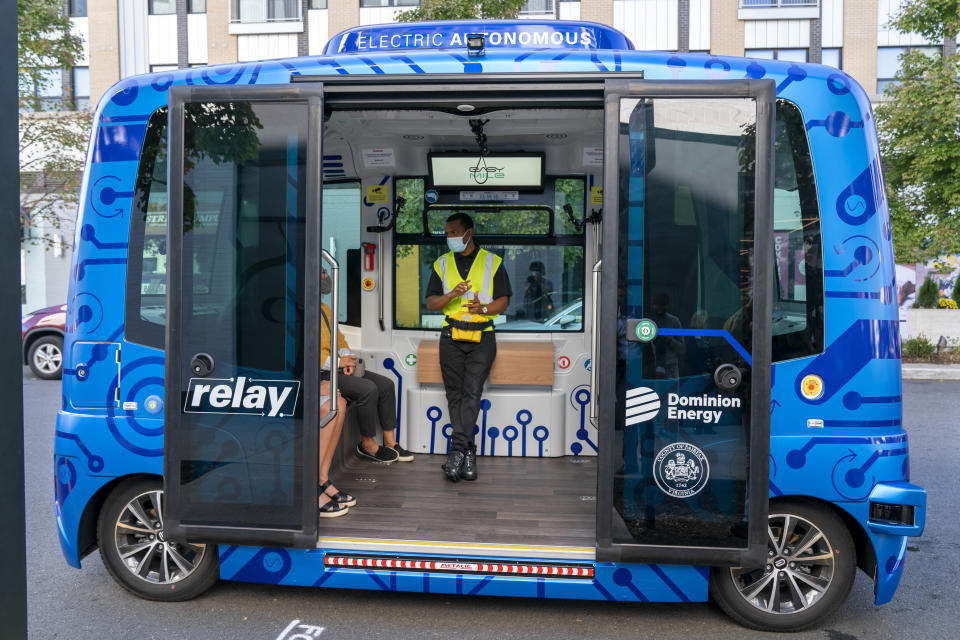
484	267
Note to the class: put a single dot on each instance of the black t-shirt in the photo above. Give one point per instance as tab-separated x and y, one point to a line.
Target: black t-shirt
501	283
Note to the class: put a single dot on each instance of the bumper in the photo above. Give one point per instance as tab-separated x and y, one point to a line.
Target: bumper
889	537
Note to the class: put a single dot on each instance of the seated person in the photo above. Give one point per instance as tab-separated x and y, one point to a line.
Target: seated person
373	395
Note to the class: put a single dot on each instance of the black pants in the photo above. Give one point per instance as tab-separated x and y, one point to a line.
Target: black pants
465	367
375	400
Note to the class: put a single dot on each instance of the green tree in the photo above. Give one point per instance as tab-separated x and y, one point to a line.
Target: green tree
463	10
927	294
919	130
53	140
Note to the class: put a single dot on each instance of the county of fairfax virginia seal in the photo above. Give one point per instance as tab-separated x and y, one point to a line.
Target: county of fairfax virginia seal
681	470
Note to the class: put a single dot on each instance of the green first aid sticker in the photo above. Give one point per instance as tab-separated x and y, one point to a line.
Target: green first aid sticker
646	330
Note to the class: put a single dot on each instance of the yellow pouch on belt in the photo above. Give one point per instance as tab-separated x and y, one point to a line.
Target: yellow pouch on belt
463	327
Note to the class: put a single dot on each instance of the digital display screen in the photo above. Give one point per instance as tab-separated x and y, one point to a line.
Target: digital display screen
515	171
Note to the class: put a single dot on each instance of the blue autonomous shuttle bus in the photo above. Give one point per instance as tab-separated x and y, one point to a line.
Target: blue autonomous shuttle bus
697	389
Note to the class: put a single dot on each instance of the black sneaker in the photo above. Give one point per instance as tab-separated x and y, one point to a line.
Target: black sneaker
383	454
405	456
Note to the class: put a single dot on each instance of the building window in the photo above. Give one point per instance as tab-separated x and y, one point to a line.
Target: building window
197	6
81	88
777	4
889	63
831	57
539	8
78	8
49	90
157	68
318	4
251	11
389	3
163	7
789	55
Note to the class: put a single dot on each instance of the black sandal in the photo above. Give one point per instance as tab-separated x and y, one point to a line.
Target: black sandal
332	509
345	499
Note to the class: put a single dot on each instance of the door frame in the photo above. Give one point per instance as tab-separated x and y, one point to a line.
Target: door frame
764	93
178	96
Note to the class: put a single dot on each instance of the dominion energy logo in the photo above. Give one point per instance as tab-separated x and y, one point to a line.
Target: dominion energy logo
681	470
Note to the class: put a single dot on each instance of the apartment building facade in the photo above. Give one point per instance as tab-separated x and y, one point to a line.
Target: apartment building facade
128	37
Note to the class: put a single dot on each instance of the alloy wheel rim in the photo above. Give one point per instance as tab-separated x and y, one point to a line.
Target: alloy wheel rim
47	358
798	571
143	547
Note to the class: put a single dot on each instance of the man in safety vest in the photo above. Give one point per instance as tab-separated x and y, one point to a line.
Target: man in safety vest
470	287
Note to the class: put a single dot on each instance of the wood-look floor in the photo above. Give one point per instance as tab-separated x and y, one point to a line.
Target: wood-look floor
530	501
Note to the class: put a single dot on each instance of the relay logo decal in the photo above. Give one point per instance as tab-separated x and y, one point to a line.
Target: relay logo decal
241	395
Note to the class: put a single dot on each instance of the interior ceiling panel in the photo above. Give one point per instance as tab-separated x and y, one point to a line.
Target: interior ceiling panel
560	133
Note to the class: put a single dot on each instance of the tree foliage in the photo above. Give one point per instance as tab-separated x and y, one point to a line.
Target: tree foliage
919	129
463	10
52	144
933	19
927	294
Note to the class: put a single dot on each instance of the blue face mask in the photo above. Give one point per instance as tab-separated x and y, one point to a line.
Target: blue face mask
456	244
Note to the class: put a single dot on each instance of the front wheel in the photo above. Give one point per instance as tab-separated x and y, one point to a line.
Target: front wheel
808	573
137	554
46	357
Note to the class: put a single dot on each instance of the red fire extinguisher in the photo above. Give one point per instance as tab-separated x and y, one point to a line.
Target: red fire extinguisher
369	262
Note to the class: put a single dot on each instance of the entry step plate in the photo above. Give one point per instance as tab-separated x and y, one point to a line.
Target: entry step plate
459	566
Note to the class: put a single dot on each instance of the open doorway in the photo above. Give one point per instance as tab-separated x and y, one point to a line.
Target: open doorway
537	465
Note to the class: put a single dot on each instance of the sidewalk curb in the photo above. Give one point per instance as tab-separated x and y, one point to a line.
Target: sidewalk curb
916	371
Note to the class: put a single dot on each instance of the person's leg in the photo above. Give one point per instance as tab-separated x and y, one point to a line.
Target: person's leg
476	366
363	393
327	440
452	369
386	406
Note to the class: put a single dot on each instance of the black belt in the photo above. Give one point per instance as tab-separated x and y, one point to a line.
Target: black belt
469	326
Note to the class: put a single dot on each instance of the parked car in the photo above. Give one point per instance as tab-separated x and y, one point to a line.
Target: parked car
42	335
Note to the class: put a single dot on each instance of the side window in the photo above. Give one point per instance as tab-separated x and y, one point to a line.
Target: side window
341	237
146	291
798	254
541	248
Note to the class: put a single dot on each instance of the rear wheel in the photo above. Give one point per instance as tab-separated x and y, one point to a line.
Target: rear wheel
46	357
808	573
137	554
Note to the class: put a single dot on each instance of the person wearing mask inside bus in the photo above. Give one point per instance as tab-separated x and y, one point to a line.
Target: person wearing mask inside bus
470	287
372	395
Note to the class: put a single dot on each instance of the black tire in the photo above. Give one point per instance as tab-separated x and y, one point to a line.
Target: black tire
761	598
150	582
46	357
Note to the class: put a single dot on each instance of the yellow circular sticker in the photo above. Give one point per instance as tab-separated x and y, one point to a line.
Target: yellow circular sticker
811	387
368	284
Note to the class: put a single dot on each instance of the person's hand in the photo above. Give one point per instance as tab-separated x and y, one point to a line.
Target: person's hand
461	288
474	306
348	363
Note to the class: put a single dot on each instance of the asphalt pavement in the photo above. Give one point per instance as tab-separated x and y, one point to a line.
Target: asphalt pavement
68	604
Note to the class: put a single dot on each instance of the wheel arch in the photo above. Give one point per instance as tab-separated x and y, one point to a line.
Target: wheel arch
35	335
87	531
866	558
